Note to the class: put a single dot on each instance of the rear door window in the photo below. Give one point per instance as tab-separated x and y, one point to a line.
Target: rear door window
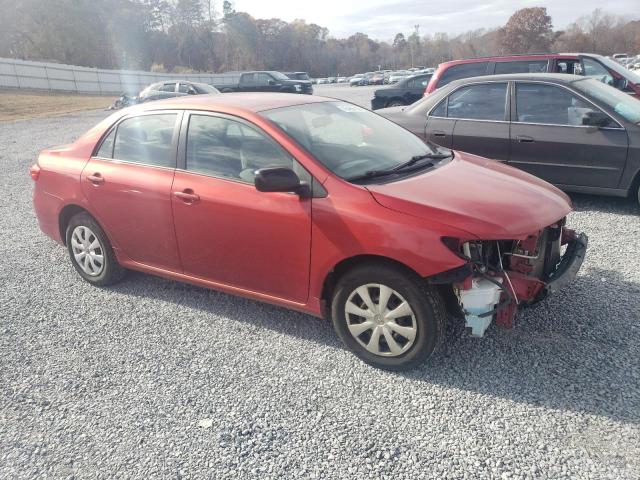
486	101
522	66
464	70
146	139
549	104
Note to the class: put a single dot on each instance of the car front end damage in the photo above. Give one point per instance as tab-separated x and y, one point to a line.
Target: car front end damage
501	275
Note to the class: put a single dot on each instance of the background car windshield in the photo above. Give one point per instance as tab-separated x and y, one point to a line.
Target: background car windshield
204	88
279	76
622	103
616	67
347	139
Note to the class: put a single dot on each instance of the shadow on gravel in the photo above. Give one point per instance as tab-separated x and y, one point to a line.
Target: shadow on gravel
577	351
597	203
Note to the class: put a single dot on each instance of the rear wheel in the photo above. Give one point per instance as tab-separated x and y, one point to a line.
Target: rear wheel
387	316
395	103
90	251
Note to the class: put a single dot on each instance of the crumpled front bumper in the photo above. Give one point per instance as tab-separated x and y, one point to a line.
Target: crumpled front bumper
569	265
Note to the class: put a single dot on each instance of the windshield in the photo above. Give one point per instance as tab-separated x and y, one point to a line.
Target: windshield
349	140
622	103
206	88
279	76
616	67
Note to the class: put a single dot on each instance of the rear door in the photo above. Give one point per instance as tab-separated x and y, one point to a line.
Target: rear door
128	183
477	119
439	128
549	140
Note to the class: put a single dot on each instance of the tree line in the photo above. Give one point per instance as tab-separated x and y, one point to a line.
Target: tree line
194	36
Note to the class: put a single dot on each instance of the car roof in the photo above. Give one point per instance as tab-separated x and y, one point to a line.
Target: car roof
249	101
528	56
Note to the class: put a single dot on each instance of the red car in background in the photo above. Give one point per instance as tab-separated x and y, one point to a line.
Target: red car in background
311	204
587	64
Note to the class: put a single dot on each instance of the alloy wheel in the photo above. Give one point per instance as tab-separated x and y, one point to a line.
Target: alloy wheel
381	320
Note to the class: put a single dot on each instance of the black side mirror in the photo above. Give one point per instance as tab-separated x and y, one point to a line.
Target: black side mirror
620	83
271	82
595	118
280	179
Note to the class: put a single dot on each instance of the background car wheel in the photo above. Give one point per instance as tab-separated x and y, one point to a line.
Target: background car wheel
395	103
388	316
90	251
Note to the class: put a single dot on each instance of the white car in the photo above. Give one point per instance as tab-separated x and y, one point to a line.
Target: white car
399	75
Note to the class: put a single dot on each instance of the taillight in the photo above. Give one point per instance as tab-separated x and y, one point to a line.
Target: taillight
34	171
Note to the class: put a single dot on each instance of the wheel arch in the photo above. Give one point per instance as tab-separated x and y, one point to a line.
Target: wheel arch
343	266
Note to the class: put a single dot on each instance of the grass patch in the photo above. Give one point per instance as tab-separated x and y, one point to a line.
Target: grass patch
21	104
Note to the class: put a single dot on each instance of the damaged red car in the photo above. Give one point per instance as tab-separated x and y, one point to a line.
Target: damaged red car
311	204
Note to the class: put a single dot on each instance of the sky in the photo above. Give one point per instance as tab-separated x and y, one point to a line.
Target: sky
382	19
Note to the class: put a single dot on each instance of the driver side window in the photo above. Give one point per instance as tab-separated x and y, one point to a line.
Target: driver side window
222	147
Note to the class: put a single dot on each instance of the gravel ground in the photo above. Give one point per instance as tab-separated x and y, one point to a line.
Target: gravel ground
153	378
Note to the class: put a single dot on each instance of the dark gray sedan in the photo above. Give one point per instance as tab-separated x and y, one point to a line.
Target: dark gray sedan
575	132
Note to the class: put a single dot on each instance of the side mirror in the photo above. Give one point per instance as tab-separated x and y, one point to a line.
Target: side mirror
280	179
620	83
595	118
271	82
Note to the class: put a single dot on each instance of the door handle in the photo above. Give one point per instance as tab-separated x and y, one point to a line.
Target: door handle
439	133
524	139
187	196
96	178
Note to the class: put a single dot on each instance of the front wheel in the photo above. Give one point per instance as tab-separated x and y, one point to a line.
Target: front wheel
387	316
90	251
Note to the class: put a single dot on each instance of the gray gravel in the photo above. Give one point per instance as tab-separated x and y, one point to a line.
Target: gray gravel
153	378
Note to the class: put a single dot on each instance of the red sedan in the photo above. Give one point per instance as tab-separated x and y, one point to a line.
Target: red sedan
312	204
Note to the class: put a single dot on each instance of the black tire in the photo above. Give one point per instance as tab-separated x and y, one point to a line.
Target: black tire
425	302
395	103
111	272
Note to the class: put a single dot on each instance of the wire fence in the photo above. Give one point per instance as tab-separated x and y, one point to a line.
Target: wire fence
71	78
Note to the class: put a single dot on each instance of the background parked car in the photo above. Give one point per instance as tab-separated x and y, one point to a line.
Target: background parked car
356	80
169	89
376	79
263	81
575	132
405	92
591	65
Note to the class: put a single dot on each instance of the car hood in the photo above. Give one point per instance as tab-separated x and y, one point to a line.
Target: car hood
483	197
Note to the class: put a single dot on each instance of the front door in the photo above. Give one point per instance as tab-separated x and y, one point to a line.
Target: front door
549	140
128	184
227	231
